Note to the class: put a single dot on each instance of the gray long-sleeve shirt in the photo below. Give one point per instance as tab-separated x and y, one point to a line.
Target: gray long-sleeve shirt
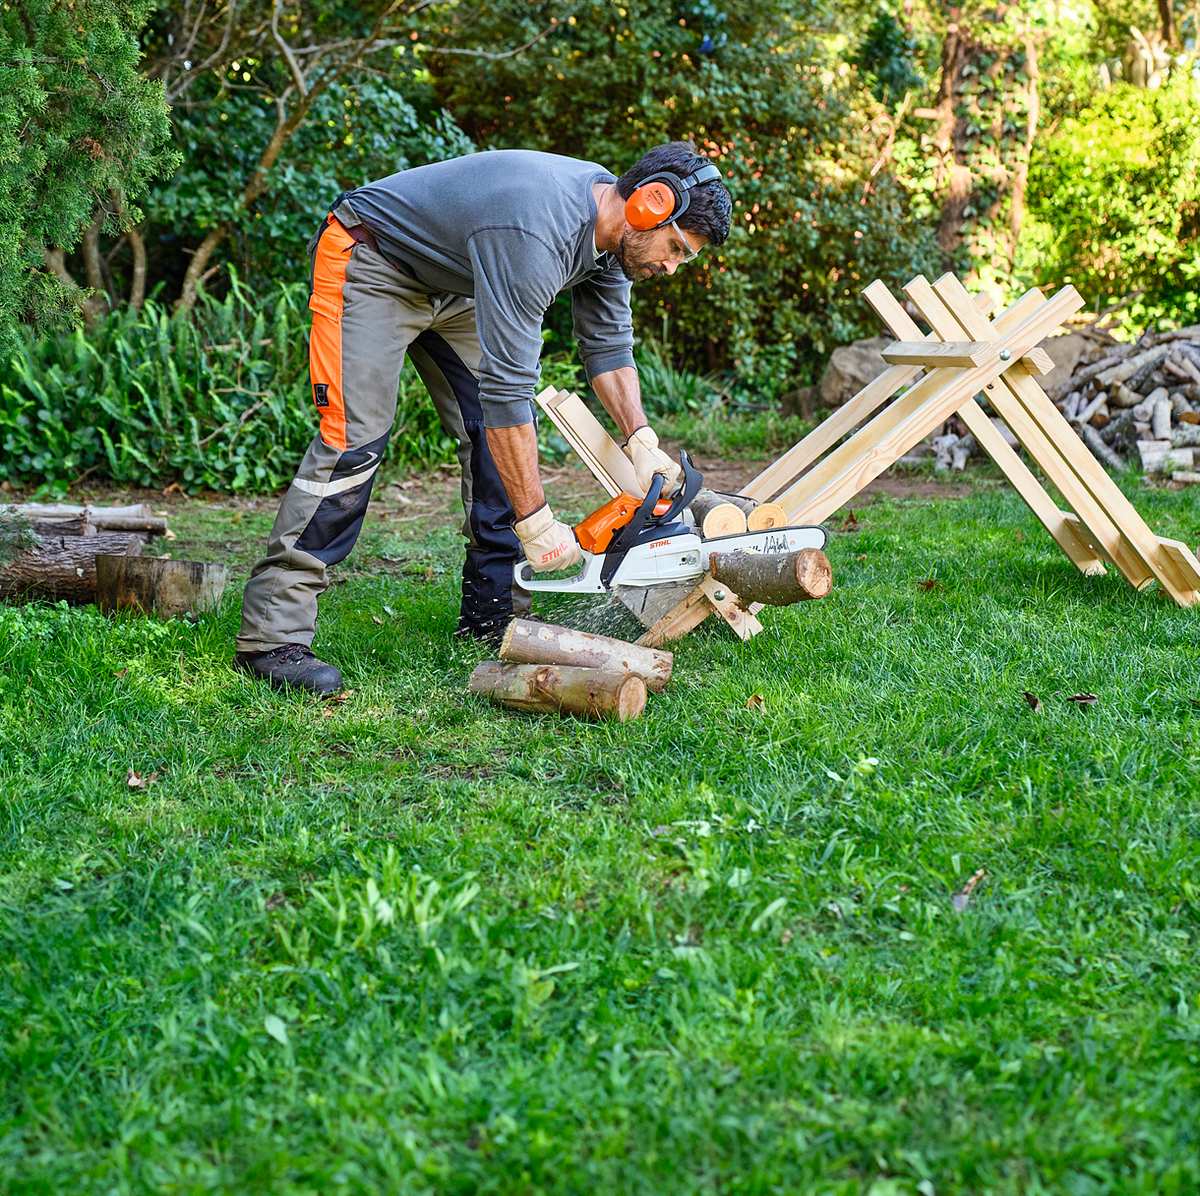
513	228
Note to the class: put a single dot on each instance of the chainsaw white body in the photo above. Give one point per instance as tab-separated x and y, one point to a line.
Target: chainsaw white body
679	556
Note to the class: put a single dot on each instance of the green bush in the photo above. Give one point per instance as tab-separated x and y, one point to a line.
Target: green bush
1114	207
764	91
218	400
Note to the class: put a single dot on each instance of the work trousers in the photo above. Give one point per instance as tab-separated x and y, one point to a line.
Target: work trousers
366	315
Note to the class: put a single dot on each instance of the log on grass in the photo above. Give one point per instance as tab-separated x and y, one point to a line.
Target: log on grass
135	518
590	693
161	587
47	566
717	515
774	579
529	642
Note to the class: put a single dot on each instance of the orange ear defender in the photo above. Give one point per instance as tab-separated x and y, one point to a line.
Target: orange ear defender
661	198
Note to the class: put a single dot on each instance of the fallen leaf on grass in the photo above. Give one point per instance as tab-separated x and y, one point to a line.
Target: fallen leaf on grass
962	898
1083	699
169	535
276	1028
344	696
930	583
1019	536
136	780
1035	703
850	523
173	488
755	702
862	556
377	619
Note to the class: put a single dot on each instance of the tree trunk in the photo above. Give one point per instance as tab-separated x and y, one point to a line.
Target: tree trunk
955	178
1166	22
591	693
774	579
529	642
170	589
1020	180
61	566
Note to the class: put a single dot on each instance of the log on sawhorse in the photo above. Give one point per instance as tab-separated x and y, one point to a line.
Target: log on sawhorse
999	358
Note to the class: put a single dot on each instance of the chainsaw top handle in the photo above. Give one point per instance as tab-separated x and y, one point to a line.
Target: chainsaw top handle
645	517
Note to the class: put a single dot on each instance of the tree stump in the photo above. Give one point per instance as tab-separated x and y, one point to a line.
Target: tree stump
169	589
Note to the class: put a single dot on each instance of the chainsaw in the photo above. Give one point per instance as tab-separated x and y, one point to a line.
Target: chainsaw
644	542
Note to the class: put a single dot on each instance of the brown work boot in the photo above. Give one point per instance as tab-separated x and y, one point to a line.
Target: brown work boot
291	666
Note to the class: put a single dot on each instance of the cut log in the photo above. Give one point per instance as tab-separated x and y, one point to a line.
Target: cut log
1099	449
717	515
590	693
1131	367
765	516
529	642
1086	413
1187	476
47	566
166	588
1160	416
136	518
774	579
1157	456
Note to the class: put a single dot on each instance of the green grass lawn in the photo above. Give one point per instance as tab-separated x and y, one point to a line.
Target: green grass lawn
408	942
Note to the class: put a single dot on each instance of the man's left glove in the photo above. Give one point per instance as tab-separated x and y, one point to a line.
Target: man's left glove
548	543
648	459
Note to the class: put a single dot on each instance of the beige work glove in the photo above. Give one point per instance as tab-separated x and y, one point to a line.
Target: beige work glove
648	459
548	543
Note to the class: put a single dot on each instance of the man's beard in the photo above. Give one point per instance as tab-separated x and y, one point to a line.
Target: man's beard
631	257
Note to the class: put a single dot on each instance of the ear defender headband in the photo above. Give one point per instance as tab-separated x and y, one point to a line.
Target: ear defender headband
661	198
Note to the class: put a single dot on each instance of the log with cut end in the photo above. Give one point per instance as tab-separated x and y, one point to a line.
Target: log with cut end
717	515
529	642
33	565
161	587
590	693
765	516
774	579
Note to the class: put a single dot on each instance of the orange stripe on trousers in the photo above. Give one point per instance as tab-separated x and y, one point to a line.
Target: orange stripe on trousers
325	337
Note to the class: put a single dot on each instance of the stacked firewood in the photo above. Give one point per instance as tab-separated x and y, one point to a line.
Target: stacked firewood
1139	403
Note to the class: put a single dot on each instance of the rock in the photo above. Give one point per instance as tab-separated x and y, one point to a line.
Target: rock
1067	352
850	368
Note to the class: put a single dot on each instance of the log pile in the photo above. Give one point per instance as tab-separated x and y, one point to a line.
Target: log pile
546	668
49	550
95	554
1139	403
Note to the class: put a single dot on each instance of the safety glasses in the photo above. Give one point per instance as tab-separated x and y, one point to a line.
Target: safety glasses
683	251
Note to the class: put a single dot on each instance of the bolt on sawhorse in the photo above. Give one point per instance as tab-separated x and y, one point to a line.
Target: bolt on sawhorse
964	354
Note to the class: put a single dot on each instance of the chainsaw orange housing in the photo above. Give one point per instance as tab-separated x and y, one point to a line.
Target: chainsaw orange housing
595	533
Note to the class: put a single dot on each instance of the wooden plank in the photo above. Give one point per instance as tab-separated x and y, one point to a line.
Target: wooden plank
1165	566
1038	361
933	353
787	469
586	435
912	417
1184	559
1019	475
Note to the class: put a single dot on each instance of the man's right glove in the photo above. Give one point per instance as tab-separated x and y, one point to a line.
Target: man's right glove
548	543
648	459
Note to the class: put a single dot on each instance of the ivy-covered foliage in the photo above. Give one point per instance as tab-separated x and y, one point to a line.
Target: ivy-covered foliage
771	103
78	121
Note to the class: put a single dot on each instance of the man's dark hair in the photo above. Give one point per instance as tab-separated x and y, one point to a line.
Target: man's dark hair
710	206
